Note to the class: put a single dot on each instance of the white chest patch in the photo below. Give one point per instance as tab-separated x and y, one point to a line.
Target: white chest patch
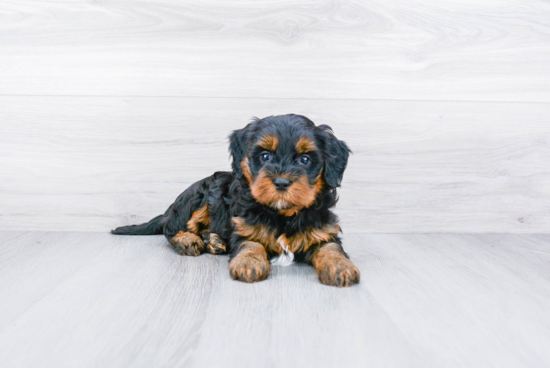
286	258
280	204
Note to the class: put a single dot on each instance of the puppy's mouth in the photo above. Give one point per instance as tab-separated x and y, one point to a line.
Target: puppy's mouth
281	204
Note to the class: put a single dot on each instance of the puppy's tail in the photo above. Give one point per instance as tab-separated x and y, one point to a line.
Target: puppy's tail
152	227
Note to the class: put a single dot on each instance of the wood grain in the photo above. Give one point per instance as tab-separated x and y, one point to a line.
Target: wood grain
27	273
425	300
390	49
464	283
122	295
93	163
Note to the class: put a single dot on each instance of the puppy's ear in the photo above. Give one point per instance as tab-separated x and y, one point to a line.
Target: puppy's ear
336	157
237	149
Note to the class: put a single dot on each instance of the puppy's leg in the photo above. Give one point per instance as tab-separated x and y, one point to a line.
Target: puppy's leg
333	266
250	264
186	219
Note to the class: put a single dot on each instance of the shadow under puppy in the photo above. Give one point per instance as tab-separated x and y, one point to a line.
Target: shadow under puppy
274	205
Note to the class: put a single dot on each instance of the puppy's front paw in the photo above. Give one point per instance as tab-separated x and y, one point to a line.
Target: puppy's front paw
215	244
249	268
187	244
339	271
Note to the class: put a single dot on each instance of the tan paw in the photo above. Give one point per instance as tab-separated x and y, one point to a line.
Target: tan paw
338	271
215	244
187	244
251	264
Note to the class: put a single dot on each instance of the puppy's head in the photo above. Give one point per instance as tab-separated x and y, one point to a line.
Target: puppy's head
287	161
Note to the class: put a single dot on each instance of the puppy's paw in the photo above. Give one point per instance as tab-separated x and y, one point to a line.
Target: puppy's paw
215	244
249	267
187	244
338	271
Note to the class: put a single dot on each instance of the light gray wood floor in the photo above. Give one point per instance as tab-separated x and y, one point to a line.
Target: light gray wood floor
425	300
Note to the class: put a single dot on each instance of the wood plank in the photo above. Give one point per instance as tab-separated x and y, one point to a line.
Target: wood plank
33	264
425	300
10	241
391	49
292	320
91	163
137	294
483	298
138	303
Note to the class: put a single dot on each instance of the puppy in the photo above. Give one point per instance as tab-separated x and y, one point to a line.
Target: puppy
275	205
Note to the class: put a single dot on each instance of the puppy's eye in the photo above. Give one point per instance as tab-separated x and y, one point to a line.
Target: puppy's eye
265	156
304	160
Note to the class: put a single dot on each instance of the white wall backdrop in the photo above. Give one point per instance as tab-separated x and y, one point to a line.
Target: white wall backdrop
110	109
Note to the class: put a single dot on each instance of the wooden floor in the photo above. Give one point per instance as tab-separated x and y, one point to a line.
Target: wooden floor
425	300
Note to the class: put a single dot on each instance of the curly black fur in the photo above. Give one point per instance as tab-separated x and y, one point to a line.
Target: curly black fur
228	195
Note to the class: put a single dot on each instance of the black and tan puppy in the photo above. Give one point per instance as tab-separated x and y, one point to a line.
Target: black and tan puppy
274	206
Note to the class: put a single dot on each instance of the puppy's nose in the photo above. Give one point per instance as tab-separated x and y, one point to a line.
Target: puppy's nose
281	183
